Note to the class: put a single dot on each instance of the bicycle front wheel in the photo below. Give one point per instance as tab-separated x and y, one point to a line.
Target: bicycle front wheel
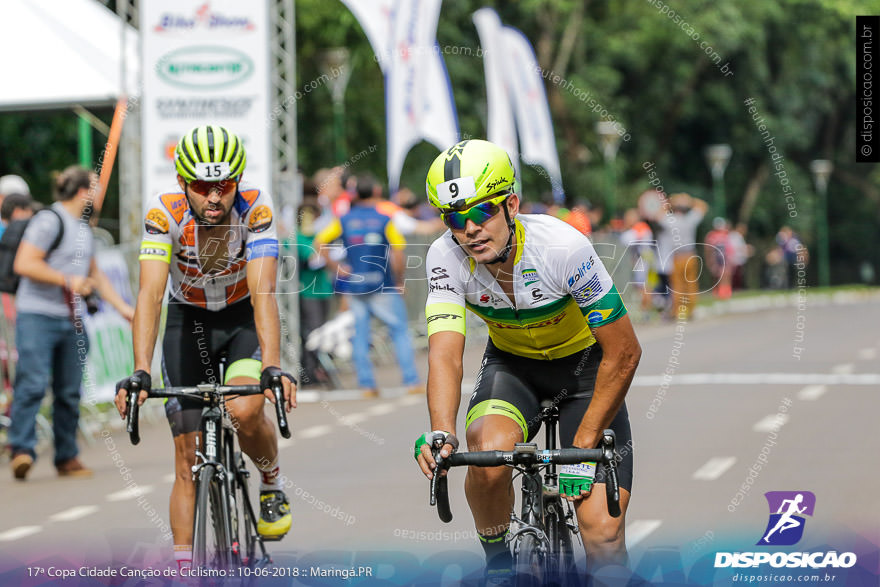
211	532
529	562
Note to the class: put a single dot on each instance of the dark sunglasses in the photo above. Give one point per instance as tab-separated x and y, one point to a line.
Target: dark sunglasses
203	188
477	214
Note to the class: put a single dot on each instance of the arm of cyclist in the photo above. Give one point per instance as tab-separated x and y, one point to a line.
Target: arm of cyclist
445	351
109	293
620	357
145	326
621	353
261	276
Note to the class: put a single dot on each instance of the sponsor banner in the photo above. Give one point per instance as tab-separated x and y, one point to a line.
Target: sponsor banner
418	96
500	127
537	142
110	355
204	63
374	17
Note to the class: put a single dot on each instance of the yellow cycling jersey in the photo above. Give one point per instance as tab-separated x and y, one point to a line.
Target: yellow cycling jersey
561	289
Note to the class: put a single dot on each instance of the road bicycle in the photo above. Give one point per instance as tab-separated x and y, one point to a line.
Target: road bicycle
542	535
225	524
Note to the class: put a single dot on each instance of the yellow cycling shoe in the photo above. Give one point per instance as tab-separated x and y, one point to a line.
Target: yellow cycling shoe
275	519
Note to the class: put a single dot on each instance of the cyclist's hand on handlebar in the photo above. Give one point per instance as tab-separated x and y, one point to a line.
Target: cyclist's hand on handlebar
140	378
424	455
271	376
576	481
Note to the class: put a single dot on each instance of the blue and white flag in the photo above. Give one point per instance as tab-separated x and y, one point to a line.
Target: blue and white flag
501	126
418	95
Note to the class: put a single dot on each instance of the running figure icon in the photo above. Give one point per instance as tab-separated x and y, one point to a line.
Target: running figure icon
787	522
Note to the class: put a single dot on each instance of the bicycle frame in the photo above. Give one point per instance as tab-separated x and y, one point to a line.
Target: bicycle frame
540	527
220	470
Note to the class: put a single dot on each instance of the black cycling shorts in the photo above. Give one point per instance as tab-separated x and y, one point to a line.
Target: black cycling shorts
194	340
514	386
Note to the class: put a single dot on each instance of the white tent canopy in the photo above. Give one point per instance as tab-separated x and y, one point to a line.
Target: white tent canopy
57	53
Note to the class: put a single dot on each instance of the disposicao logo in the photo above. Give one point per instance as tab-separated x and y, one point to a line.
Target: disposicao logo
205	67
785	528
787	511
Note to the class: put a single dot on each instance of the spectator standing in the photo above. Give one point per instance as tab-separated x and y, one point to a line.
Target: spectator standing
676	244
638	240
10	185
370	278
740	253
15	207
316	291
719	257
49	332
793	252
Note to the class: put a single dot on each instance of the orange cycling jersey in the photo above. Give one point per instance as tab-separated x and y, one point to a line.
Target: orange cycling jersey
170	235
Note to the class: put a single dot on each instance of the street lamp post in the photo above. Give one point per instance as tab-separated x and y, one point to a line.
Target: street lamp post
821	169
718	156
336	65
609	136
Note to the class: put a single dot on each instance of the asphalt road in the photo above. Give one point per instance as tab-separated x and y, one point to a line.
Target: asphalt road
722	411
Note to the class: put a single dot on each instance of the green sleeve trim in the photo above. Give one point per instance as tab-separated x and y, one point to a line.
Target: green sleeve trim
243	368
500	408
607	309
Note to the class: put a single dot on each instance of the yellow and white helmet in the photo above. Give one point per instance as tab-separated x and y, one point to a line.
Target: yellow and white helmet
468	173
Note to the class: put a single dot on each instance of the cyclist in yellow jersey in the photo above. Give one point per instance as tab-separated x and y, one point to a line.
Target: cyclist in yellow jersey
215	239
558	331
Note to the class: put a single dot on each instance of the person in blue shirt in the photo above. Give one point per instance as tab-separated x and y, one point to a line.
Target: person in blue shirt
371	278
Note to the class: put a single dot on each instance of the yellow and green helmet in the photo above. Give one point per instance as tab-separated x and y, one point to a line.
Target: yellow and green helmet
468	173
210	153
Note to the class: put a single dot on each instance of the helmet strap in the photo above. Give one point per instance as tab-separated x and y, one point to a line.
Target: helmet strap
505	252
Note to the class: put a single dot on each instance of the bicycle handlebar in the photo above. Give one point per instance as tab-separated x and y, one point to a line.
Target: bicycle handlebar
201	392
496	458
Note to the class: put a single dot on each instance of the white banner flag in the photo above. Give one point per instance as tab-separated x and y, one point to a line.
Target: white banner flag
374	17
501	127
204	63
536	139
418	95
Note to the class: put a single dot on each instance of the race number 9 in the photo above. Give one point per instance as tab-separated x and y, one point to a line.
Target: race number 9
212	171
456	189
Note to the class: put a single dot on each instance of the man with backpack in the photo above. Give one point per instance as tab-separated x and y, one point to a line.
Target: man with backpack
55	260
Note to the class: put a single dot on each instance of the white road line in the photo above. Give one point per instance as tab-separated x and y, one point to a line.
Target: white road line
352	419
714	468
770	423
19	532
812	392
315	431
843	369
130	493
169	478
380	409
758	379
638	530
74	513
410	400
867	354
